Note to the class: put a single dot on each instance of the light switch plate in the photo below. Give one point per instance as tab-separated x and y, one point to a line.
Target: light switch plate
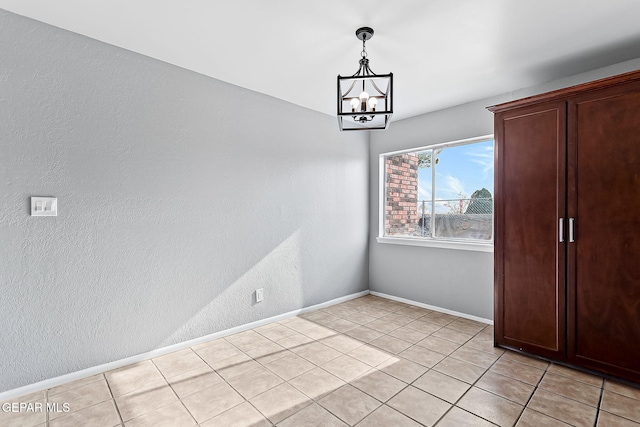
44	206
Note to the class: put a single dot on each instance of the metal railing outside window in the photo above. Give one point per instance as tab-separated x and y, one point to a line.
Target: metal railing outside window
469	218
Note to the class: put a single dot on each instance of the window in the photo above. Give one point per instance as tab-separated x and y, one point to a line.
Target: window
439	194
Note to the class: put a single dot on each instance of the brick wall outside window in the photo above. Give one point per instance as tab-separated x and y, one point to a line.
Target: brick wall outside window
401	195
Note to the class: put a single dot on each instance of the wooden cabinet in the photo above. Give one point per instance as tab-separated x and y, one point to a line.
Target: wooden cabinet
530	197
567	225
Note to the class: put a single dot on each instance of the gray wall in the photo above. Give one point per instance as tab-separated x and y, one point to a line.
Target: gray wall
178	195
453	279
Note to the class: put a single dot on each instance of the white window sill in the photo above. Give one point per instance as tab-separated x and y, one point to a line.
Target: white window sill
436	243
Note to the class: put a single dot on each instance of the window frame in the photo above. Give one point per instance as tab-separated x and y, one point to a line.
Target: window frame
434	242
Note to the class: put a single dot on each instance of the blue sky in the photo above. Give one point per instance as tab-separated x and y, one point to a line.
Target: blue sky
461	169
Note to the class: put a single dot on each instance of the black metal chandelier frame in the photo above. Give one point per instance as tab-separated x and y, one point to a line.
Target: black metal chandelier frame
364	109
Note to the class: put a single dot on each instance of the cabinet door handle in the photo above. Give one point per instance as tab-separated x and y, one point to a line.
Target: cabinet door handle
561	230
571	232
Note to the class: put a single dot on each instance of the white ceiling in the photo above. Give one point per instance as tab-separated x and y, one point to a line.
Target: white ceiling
442	53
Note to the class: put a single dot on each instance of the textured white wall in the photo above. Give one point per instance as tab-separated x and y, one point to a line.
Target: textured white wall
454	279
178	196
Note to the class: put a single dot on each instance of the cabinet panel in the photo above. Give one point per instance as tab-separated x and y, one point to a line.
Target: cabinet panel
530	199
604	197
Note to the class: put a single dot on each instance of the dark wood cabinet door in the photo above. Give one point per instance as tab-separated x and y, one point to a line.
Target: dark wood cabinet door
530	262
604	261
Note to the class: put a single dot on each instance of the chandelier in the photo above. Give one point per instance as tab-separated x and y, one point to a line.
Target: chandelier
365	99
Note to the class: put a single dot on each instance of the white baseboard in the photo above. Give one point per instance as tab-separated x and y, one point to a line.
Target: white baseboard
433	307
73	376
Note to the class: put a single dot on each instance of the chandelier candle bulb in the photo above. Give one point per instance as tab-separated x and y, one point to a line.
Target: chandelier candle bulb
364	96
372	103
354	105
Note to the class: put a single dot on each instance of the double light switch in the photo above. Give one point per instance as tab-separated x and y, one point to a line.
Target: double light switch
44	206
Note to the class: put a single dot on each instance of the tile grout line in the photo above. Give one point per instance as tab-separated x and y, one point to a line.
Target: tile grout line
245	400
93	405
344	333
67	414
261	365
173	391
625	417
567	397
46	401
535	388
316	401
595	423
431	368
113	398
311	399
224	379
454	405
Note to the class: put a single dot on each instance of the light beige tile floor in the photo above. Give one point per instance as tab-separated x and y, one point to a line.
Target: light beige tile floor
366	362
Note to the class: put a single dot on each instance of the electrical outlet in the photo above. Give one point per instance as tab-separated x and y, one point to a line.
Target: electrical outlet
259	294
